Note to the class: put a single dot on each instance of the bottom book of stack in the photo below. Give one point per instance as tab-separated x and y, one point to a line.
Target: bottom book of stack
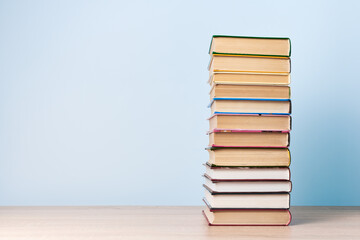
247	217
247	195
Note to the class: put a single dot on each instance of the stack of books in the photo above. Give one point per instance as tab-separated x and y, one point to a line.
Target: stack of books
247	178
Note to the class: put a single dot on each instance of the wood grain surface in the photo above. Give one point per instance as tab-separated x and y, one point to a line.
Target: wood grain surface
168	223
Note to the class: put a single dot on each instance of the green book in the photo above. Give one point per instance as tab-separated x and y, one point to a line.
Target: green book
250	46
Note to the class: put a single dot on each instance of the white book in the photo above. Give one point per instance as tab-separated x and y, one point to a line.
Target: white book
248	201
247	186
248	173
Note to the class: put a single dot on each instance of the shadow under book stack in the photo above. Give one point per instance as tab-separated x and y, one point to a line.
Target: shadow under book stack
247	179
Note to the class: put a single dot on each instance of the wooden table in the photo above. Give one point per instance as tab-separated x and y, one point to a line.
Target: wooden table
47	223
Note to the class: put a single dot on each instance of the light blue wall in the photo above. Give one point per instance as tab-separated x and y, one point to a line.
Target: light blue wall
104	102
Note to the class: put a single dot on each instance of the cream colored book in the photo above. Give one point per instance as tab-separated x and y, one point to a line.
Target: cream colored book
258	106
249	157
248	139
249	91
237	63
250	122
261	46
248	78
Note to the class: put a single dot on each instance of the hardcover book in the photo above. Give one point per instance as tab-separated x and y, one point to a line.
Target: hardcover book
250	105
249	139
242	186
244	45
249	91
249	157
247	217
247	200
250	122
254	64
248	78
221	174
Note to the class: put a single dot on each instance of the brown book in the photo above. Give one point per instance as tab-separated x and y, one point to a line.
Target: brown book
248	78
249	91
248	139
236	63
247	217
249	157
221	105
250	122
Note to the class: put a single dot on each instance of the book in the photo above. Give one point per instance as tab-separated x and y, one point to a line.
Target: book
250	122
249	91
247	176
254	64
247	200
244	45
216	173
245	105
248	139
249	157
255	186
247	217
248	78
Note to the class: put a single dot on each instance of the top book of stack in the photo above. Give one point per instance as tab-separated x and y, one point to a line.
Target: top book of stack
249	60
